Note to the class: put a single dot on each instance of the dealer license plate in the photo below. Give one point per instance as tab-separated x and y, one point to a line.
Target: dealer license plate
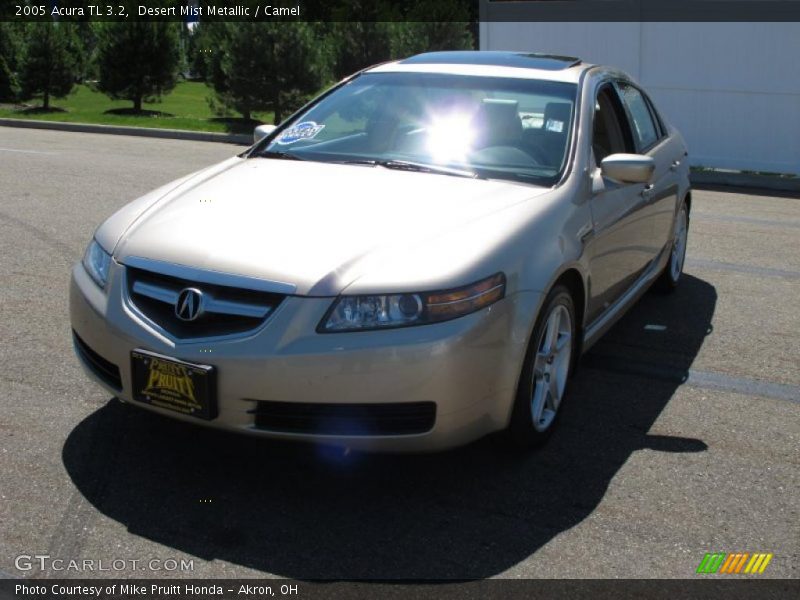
176	385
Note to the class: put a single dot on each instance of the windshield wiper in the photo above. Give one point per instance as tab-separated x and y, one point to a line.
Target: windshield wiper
278	154
503	175
400	165
358	161
404	165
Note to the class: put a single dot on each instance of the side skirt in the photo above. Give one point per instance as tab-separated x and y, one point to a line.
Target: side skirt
613	313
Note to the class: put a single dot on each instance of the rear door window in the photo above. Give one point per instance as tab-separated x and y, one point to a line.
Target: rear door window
645	129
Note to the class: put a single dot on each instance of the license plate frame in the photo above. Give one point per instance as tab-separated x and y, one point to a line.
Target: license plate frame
177	385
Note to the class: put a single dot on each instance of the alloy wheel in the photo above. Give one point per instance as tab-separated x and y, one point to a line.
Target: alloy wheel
551	367
679	246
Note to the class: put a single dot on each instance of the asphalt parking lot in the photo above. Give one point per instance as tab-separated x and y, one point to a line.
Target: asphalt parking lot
678	439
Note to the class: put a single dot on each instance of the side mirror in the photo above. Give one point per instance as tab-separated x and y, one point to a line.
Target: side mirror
628	168
261	132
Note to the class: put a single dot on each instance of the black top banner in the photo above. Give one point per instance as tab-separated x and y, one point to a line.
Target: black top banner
401	10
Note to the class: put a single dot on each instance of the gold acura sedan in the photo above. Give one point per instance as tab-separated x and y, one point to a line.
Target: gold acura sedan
413	260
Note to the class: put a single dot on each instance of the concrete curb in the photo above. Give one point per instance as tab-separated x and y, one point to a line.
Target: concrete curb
745	180
174	134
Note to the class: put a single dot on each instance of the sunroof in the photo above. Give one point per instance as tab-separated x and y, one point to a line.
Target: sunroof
547	62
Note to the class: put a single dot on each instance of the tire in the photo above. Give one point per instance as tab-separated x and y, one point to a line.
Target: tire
670	277
548	365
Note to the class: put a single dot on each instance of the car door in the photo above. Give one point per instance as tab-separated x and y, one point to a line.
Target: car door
651	139
621	247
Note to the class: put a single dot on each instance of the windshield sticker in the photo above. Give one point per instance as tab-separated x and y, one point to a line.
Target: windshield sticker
307	130
553	125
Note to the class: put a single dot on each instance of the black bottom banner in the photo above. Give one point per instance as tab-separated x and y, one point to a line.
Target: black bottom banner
527	589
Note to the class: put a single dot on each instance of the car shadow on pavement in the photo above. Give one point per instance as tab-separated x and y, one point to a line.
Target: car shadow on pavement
307	512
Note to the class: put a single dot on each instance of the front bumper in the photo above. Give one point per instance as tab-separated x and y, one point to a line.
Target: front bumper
468	366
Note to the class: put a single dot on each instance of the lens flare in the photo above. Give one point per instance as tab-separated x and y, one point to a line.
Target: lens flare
450	137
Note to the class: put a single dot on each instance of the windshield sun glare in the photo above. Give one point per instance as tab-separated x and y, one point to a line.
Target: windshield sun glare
491	127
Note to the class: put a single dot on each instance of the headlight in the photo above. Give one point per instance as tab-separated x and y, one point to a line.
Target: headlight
96	261
359	313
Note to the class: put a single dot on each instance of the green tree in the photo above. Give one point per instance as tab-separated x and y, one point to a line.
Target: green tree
10	58
137	61
430	36
265	66
9	87
395	30
432	25
87	63
185	47
49	66
200	49
358	45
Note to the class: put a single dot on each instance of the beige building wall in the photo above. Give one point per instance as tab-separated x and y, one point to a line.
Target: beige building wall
733	89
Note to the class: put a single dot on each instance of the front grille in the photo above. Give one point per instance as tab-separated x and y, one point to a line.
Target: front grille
345	419
107	371
226	310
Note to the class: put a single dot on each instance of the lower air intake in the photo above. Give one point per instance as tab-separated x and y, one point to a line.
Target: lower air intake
105	370
402	418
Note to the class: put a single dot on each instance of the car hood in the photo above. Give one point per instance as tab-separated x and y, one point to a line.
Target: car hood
315	226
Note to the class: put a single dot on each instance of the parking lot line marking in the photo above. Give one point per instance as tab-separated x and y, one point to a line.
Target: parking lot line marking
717	265
747	220
695	378
742	385
26	151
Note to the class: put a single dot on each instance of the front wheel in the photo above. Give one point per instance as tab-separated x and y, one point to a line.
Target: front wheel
671	275
546	371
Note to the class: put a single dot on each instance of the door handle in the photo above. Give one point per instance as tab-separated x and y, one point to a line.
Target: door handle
585	232
674	166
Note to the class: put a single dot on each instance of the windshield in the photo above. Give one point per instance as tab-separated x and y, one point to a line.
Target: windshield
497	128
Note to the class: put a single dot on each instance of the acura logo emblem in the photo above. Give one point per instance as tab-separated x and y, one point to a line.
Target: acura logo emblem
189	305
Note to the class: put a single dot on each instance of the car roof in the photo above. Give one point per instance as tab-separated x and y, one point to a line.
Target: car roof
525	65
525	60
